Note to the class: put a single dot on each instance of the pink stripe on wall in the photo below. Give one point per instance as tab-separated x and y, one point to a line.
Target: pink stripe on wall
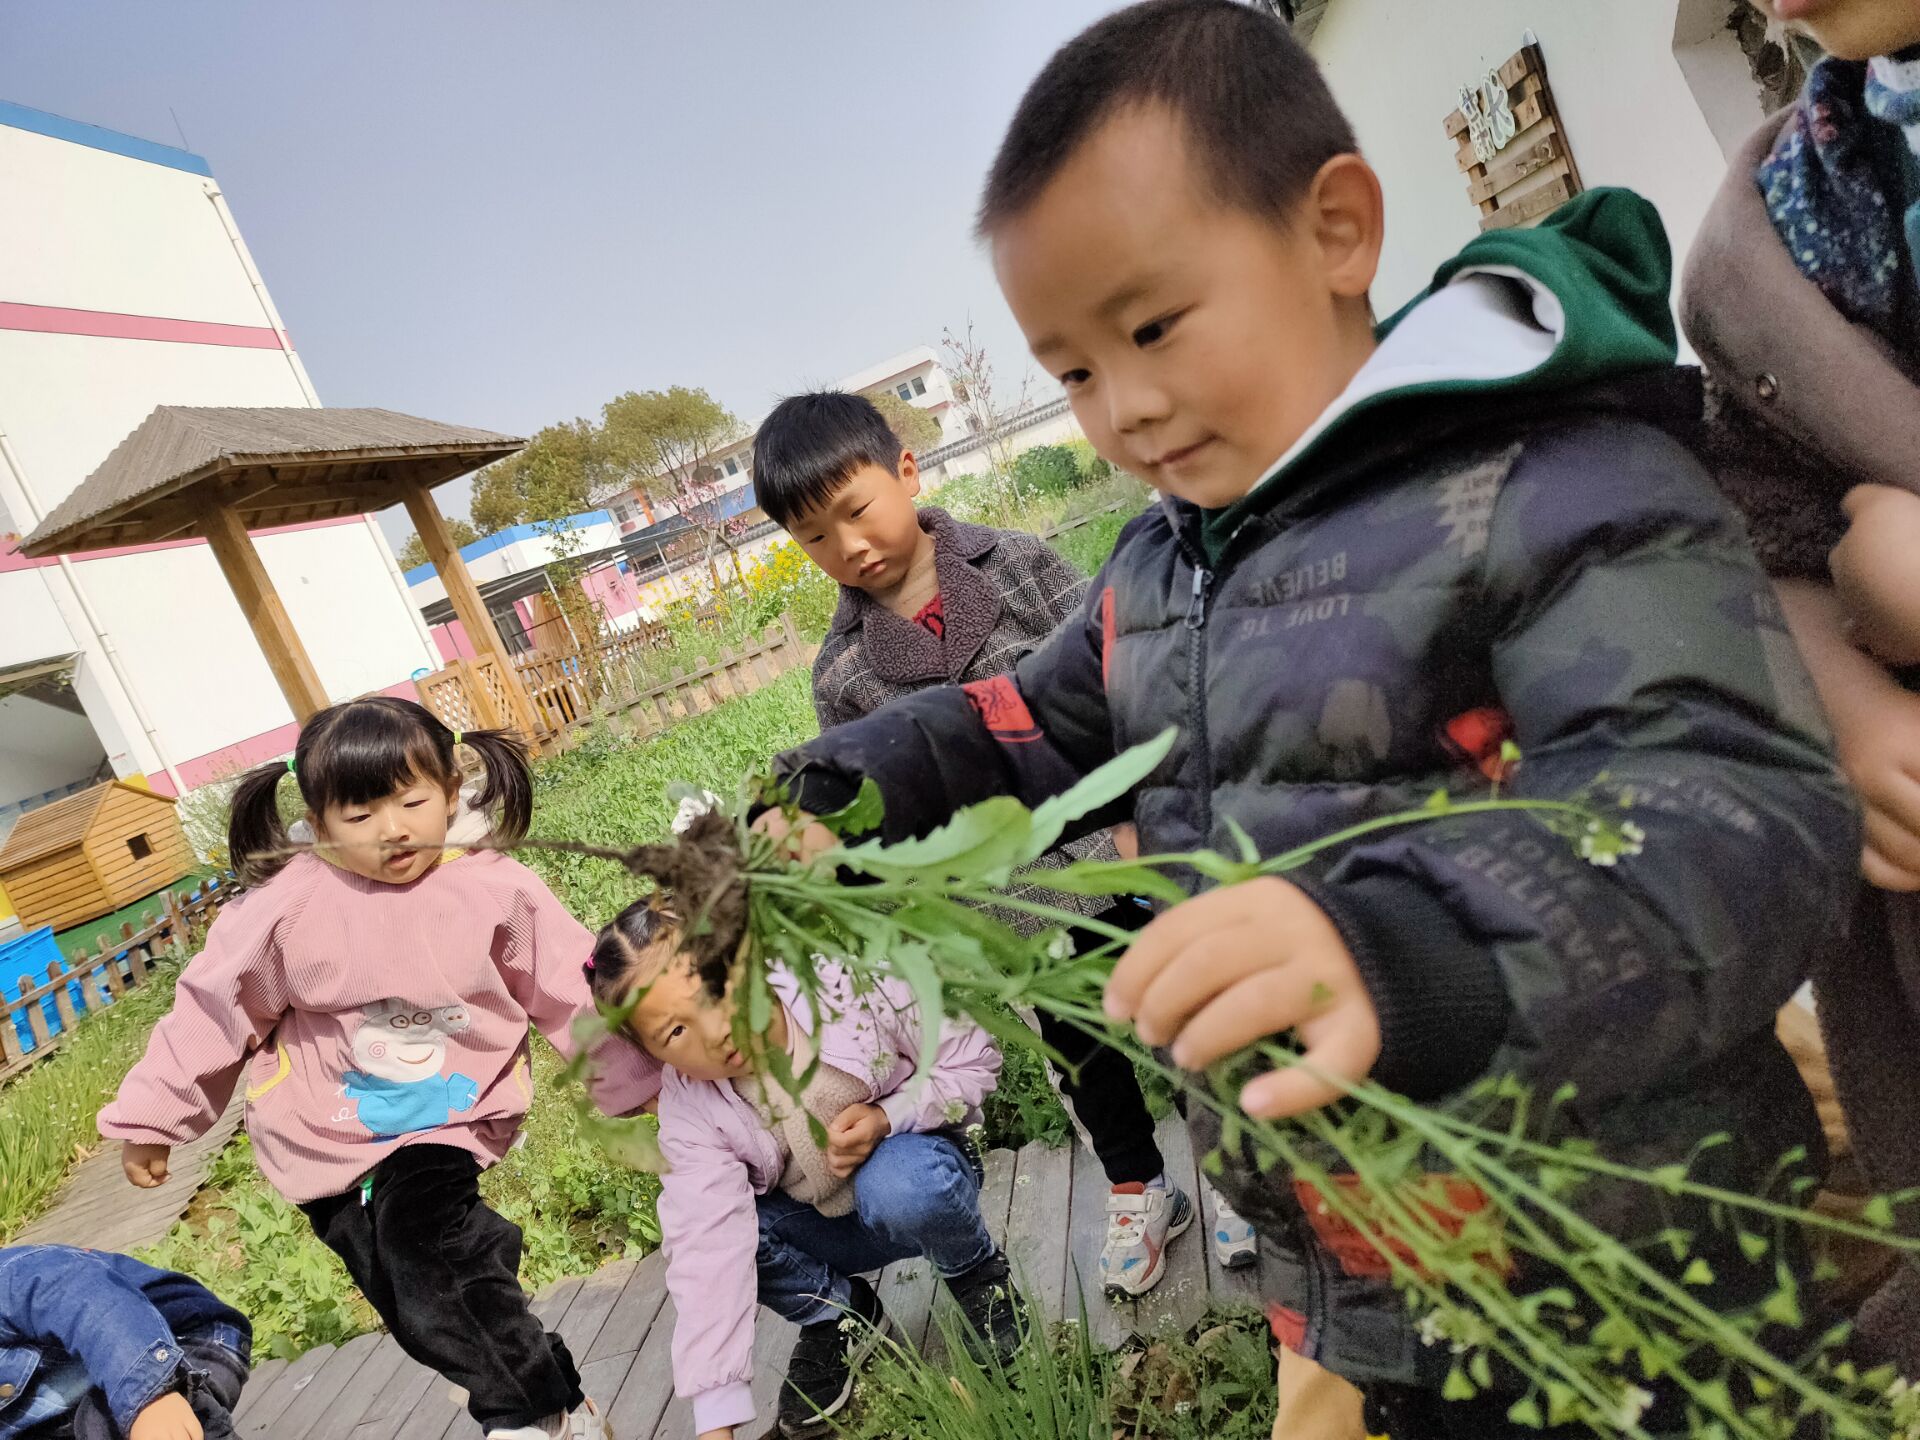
231	759
107	324
12	559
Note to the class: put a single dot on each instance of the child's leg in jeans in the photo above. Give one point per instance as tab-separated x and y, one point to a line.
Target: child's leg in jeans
442	1269
916	1195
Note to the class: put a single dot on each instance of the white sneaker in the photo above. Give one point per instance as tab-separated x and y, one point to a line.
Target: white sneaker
1140	1223
1234	1245
582	1424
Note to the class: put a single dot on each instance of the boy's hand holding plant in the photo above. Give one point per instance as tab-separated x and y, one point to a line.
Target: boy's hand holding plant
1236	966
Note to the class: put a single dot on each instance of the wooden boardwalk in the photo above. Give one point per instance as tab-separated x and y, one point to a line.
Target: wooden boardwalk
1046	1205
97	1208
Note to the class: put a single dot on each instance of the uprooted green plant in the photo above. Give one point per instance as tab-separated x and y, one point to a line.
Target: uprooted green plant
1473	1211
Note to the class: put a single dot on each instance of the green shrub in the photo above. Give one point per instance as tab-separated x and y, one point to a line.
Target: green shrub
1047	470
1093	470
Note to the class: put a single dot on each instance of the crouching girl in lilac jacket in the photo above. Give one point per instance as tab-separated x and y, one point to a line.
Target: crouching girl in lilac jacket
753	1212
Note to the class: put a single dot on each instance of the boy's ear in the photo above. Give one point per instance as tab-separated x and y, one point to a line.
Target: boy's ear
910	472
1347	214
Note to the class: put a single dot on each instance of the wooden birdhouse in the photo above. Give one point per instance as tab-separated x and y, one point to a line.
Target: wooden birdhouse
89	854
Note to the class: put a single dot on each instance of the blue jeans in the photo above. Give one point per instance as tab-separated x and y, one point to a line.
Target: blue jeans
916	1195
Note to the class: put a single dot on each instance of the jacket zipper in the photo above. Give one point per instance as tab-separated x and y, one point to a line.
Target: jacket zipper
1197	688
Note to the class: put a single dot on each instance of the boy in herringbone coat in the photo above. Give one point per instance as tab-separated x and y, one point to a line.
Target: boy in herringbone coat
926	599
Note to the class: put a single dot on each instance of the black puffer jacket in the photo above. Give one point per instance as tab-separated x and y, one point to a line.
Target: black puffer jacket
1557	569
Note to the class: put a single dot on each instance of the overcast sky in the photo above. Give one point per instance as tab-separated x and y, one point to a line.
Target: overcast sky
504	212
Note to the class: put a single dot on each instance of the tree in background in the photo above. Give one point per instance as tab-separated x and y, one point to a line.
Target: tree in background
414	554
919	430
667	440
986	407
553	477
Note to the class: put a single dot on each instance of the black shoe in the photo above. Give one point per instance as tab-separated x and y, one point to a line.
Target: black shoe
994	1312
820	1374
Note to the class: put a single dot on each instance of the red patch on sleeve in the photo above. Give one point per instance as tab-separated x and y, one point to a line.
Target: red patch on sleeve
1448	1200
1476	737
1002	709
1289	1326
1106	635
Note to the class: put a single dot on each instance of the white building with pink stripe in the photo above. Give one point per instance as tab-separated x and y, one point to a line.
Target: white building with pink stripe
125	284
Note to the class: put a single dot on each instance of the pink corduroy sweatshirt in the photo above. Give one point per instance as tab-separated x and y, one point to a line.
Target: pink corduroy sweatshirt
368	1016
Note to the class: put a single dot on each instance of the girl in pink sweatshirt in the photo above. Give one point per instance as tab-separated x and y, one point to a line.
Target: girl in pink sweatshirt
376	991
754	1212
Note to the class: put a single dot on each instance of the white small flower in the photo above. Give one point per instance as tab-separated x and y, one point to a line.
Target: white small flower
692	807
1060	947
1432	1328
1633	1404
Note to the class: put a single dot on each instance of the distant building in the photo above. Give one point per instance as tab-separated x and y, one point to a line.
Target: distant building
125	284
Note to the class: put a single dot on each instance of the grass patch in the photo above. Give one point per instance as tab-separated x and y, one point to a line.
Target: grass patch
46	1113
1215	1383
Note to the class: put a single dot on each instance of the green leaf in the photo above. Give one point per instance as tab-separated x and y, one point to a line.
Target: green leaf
1527	1412
1698	1273
1458	1386
1754	1247
1438	803
1114	877
913	963
1670	1178
1878	1212
1101	788
1481	1369
859	815
983	842
1249	852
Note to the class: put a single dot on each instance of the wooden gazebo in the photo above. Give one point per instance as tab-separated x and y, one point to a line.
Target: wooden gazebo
219	473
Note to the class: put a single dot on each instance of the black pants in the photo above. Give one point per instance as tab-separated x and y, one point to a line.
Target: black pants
442	1269
1101	1086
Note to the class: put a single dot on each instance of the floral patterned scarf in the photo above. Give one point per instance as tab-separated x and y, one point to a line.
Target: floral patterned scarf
1842	186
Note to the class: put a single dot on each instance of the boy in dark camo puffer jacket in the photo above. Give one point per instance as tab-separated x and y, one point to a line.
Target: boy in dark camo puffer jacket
1382	553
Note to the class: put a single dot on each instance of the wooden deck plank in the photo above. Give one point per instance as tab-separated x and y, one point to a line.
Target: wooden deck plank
327	1387
97	1208
258	1384
437	1408
262	1420
649	1384
603	1378
1036	1229
1108	1321
996	1194
599	1293
390	1408
1180	1298
354	1405
633	1315
773	1342
906	1290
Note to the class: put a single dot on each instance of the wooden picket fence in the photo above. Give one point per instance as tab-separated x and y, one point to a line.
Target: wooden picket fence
114	967
569	689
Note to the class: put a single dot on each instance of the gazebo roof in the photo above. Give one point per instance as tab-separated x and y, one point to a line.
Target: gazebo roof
270	465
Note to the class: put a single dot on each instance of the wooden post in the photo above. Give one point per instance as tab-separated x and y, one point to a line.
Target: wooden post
10	1050
431	526
63	997
260	603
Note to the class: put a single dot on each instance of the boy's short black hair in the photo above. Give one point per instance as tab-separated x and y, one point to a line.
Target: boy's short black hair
811	445
1257	111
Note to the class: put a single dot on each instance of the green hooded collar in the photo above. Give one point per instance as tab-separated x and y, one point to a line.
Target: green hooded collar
1582	297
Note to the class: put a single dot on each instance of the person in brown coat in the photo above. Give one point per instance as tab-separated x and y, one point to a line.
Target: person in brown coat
1800	297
